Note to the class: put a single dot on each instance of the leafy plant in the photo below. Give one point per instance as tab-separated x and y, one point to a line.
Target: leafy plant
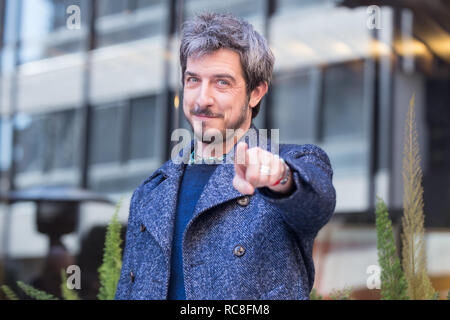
343	294
393	282
9	293
314	295
413	251
35	293
68	294
109	271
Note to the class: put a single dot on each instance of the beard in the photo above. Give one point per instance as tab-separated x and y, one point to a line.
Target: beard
207	135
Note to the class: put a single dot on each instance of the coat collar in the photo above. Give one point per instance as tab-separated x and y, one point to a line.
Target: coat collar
159	207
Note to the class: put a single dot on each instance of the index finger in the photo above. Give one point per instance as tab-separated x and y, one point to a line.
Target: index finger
241	157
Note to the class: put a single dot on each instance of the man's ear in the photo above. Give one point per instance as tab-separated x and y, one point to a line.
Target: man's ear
258	93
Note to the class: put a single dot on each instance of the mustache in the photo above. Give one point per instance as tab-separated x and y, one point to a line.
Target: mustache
204	112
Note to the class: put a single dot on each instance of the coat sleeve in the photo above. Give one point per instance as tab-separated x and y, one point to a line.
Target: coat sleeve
311	204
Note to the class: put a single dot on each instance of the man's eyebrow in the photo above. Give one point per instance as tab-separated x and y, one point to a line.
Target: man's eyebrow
225	75
218	75
189	73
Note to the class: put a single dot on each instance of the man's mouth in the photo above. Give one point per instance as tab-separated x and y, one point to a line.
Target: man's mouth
201	116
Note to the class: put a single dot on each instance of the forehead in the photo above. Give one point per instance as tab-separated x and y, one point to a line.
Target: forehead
218	61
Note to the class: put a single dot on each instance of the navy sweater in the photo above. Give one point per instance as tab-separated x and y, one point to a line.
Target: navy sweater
194	180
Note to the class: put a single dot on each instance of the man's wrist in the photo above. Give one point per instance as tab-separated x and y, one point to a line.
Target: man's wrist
285	184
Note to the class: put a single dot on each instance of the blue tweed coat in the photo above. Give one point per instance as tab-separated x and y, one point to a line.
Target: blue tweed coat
235	246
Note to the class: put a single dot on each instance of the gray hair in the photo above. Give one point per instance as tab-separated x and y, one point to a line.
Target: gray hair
208	32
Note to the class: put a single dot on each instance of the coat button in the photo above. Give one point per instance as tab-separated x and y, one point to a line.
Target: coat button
243	201
239	251
132	276
142	228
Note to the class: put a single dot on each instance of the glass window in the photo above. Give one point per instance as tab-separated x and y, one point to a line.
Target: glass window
59	12
65	132
292	4
44	31
47	142
128	20
317	33
143	131
148	3
293	106
32	145
108	7
242	8
126	136
344	115
106	134
133	67
343	101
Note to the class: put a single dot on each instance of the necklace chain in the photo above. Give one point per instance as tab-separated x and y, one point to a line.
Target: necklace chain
200	159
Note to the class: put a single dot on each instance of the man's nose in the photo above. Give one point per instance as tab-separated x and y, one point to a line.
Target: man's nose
205	95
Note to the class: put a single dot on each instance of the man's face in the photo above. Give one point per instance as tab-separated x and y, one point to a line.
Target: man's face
215	93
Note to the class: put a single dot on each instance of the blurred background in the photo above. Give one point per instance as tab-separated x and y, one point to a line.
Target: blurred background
89	95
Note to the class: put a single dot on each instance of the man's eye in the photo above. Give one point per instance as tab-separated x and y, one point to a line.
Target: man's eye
192	79
223	82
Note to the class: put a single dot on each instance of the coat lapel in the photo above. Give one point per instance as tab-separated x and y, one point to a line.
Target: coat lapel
218	189
159	207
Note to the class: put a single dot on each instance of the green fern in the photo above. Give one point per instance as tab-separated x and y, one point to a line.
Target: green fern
35	293
393	282
344	294
436	296
109	271
9	293
413	236
314	295
67	294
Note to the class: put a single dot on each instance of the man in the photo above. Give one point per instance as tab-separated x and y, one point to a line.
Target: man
243	225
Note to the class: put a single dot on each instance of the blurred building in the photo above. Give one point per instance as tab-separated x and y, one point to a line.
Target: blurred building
93	104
